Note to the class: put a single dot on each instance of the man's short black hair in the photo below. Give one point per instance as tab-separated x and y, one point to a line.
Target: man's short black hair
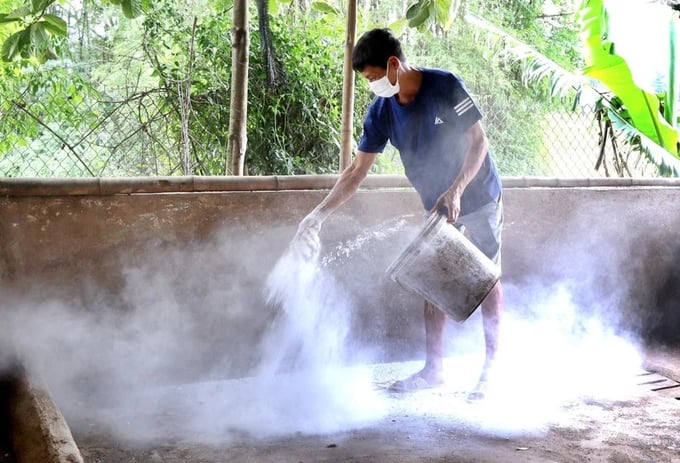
374	48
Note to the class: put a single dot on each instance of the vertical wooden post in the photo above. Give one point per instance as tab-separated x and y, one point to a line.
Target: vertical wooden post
347	139
238	111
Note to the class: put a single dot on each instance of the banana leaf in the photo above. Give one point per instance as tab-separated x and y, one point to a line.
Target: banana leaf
605	66
667	165
535	66
670	108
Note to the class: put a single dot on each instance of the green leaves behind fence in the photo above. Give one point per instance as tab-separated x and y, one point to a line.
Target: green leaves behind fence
31	28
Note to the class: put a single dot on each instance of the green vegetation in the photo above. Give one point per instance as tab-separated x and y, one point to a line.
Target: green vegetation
511	110
631	109
123	96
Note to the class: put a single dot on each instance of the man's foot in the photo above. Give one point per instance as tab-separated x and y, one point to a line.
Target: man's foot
416	382
479	392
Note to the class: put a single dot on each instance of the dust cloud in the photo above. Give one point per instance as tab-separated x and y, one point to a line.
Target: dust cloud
206	342
238	336
552	355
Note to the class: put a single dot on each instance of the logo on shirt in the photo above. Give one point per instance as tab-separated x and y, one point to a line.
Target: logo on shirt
437	120
463	106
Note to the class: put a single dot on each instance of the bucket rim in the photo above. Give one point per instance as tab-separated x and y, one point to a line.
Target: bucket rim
433	223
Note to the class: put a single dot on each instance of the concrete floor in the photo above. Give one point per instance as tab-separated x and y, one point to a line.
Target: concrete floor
629	418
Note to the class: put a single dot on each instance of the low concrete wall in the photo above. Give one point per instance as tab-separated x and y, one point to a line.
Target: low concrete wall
39	432
189	257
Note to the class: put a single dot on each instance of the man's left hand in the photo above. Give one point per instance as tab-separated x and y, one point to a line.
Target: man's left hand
451	199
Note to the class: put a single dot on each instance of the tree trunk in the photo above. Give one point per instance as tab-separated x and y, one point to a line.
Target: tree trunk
348	89
238	110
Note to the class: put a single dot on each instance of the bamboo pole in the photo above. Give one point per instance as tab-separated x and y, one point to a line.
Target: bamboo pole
347	135
238	108
13	187
188	184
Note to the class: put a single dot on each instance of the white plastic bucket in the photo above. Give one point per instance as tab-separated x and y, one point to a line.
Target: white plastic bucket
445	268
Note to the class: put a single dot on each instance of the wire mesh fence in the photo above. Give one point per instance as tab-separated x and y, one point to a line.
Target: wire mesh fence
571	144
89	135
576	147
130	133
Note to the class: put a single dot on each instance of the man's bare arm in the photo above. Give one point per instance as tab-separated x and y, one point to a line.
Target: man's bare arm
306	242
348	183
478	146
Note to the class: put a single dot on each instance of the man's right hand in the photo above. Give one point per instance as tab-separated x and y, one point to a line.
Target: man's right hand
306	243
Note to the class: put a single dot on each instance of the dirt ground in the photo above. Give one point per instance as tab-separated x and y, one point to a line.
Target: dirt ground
637	423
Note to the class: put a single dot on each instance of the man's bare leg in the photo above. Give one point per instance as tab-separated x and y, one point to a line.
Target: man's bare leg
435	324
432	373
492	311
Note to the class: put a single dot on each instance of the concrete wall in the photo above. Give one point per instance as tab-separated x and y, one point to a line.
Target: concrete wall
194	264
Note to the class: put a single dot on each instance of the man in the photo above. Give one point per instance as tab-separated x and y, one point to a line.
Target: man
430	118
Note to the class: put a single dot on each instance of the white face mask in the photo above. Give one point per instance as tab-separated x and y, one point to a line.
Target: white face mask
383	87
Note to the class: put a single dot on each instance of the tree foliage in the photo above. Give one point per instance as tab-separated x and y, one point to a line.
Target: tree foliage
165	96
604	65
33	25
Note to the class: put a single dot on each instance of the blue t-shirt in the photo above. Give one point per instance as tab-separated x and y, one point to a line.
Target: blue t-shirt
429	133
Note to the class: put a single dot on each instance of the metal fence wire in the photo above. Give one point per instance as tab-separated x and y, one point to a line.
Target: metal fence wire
89	135
129	133
574	143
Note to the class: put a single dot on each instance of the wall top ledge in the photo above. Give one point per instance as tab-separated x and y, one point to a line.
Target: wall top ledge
105	186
